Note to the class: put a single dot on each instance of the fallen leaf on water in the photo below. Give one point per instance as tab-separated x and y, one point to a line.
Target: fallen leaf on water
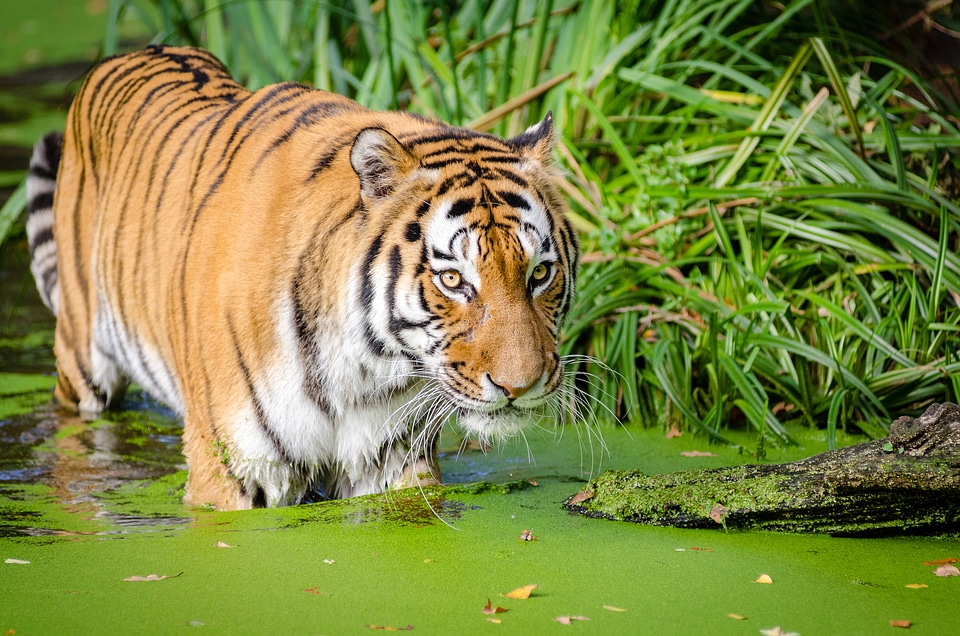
947	570
696	453
614	608
942	561
490	609
718	512
533	482
152	577
221	544
526	535
916	586
581	496
521	592
387	628
566	620
495	621
16	561
329	561
900	623
312	590
737	617
765	579
428	560
674	432
696	549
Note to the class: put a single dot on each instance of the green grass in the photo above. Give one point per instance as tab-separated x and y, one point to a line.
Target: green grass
767	203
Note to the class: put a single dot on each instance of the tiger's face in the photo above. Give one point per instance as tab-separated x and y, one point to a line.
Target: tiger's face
490	274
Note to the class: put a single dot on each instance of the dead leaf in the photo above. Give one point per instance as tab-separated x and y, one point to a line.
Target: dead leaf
495	621
387	628
900	623
696	549
526	535
312	590
522	592
737	617
916	586
428	560
582	496
765	579
221	544
674	432
696	453
533	482
329	561
718	512
942	561
614	608
490	609
16	561
152	577
947	570
566	620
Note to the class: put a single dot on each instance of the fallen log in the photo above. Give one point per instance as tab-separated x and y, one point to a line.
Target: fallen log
908	483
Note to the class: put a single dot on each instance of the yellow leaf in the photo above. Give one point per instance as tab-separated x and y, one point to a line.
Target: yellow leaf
916	586
221	544
737	617
521	592
614	608
765	579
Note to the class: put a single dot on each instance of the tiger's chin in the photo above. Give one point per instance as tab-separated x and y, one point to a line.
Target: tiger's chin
499	424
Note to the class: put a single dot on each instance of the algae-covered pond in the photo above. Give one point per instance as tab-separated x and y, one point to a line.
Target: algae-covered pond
87	506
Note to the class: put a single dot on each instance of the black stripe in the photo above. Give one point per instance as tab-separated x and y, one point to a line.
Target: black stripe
460	207
261	415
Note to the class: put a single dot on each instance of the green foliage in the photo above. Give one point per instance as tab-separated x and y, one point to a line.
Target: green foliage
770	230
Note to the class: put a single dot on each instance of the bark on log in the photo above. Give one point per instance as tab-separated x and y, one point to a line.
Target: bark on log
908	483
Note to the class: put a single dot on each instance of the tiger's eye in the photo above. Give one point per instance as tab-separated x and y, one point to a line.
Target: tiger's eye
450	279
540	272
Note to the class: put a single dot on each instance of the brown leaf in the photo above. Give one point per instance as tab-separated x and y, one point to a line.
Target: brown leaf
387	628
942	561
696	453
581	496
312	590
696	549
916	586
566	620
718	512
221	544
614	608
947	570
900	623
490	609
674	432
765	579
152	577
526	535
522	592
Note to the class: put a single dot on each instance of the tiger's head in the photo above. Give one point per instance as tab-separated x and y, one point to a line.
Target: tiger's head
475	270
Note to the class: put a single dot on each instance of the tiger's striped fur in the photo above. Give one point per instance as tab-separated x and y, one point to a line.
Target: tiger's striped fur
314	286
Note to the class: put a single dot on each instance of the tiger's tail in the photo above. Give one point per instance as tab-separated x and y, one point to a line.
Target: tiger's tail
41	183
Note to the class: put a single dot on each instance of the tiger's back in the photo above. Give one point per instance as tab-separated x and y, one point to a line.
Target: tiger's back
270	265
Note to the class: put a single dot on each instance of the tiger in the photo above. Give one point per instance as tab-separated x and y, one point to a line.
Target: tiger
314	287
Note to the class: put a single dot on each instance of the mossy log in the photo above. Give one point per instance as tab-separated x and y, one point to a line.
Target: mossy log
908	483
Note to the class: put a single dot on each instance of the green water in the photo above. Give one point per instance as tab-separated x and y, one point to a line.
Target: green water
89	504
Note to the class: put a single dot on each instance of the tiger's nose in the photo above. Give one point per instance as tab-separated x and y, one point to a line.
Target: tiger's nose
512	392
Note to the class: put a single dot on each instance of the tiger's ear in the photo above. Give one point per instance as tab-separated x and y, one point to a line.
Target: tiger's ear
380	162
536	141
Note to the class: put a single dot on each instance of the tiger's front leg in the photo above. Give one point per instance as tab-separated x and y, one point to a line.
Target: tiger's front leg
210	481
